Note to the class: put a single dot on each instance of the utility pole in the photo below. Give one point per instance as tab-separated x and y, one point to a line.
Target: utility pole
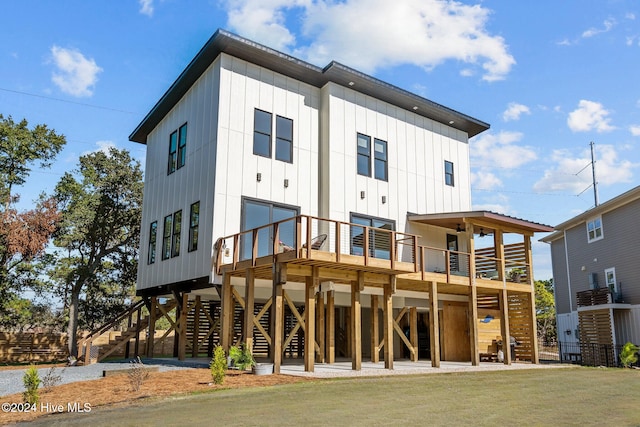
593	172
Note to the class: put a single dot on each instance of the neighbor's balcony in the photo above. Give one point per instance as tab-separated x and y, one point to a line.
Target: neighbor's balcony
311	240
599	296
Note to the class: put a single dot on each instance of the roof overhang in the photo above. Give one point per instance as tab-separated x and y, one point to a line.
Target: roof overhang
487	220
225	42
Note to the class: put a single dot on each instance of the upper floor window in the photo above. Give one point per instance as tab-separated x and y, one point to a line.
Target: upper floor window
153	236
594	229
175	236
171	235
194	224
177	149
380	159
364	155
284	139
166	237
262	133
448	173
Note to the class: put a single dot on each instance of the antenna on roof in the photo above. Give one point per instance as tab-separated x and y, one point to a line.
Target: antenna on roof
593	173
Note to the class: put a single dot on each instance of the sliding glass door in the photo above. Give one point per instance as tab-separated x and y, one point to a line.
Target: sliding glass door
256	213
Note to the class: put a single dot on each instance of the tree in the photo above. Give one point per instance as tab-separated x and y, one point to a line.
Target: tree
100	228
545	310
23	235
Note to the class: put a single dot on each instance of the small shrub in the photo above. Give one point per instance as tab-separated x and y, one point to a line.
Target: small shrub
138	374
218	365
51	379
241	357
31	381
629	354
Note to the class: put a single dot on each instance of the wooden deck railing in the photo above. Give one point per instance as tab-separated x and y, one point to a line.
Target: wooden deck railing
304	232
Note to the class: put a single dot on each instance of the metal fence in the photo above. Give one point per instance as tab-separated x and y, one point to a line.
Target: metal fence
585	354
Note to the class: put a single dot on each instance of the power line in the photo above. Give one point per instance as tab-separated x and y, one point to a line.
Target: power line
83	104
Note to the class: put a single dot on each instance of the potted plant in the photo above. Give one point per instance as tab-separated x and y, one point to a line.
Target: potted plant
241	357
515	274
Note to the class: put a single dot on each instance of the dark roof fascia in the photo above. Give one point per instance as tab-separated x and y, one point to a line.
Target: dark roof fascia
239	47
485	215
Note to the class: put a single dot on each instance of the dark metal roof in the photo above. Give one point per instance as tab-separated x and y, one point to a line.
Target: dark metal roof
239	47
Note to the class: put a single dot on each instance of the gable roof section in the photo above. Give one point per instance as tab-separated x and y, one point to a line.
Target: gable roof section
239	47
618	201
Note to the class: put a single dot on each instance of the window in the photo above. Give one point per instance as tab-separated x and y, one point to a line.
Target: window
594	229
194	221
284	139
166	237
448	173
380	159
182	145
175	236
364	155
610	278
379	241
173	152
177	149
256	213
262	133
153	235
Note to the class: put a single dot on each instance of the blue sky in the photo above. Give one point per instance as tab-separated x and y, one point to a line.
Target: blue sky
549	76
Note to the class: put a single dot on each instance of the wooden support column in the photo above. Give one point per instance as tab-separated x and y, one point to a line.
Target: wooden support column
356	324
195	340
535	357
182	337
387	313
309	325
413	332
434	325
375	330
320	326
226	313
504	326
473	324
277	318
331	328
152	326
498	244
249	302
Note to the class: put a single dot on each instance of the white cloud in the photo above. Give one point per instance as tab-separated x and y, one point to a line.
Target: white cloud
485	180
630	15
499	204
420	32
103	146
572	174
500	150
588	116
74	74
635	130
514	111
608	24
146	7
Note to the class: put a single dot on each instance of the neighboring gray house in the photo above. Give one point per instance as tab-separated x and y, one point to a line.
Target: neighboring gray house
596	272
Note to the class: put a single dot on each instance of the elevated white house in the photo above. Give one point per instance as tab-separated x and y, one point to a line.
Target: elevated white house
287	205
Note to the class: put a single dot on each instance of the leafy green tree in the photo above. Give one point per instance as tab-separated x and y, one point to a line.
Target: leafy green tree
23	235
545	310
100	229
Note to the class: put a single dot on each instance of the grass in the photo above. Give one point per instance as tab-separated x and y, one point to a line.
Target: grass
579	396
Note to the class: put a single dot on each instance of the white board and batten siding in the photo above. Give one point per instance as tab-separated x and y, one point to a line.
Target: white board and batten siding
169	193
417	148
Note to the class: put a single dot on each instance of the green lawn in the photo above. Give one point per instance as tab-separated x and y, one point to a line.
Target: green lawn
573	396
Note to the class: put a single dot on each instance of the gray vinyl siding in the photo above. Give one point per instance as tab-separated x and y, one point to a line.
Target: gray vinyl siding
560	279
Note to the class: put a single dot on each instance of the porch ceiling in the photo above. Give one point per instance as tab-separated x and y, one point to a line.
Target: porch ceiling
489	221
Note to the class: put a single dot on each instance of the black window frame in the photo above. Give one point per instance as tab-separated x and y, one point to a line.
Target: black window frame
246	240
449	176
176	234
381	159
167	227
284	135
258	133
173	152
362	153
182	146
153	238
194	226
372	236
